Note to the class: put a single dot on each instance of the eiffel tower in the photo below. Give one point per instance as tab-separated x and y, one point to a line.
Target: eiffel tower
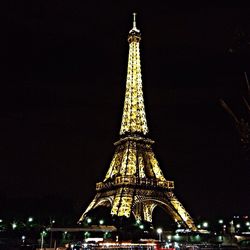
134	184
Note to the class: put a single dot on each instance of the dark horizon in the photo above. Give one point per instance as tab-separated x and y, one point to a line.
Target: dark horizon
63	89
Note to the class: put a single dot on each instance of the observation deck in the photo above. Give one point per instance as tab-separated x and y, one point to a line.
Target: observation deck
147	183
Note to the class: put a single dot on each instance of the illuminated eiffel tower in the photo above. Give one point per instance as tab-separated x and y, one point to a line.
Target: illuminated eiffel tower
134	184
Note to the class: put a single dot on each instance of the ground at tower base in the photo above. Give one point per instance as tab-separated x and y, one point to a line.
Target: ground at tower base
97	233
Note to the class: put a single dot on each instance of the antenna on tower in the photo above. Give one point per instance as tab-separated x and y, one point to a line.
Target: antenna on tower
134	20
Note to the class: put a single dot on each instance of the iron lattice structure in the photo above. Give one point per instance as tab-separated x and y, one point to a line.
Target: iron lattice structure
134	184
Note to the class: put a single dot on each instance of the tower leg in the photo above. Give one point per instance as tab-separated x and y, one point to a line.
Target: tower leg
137	211
97	201
148	208
91	206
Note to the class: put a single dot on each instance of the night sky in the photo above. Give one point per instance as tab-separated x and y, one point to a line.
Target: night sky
62	90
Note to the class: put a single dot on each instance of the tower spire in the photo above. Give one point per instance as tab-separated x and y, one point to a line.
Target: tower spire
134	117
134	20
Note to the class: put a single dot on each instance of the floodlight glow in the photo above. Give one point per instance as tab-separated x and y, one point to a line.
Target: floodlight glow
30	219
159	230
43	233
205	224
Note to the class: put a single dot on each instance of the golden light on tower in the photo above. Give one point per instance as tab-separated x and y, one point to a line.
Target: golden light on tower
134	184
134	117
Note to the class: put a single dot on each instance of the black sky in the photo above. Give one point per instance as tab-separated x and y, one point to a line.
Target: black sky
62	89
